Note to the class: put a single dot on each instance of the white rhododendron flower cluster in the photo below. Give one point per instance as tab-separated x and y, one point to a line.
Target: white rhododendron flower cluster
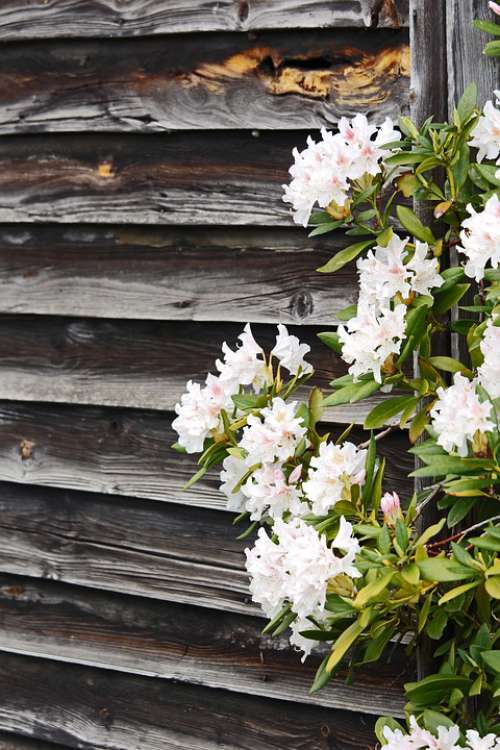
459	414
297	568
445	738
331	475
388	271
387	277
489	371
199	410
486	134
480	238
322	172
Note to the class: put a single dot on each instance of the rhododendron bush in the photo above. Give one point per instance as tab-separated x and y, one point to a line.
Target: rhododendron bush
336	559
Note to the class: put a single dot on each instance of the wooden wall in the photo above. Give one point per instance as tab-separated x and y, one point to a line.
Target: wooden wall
143	147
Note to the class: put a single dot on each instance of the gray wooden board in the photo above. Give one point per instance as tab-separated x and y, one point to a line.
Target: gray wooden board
289	80
107	18
183	643
164	273
87	708
126	452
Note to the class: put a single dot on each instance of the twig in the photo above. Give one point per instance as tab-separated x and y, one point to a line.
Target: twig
463	533
379	435
420	507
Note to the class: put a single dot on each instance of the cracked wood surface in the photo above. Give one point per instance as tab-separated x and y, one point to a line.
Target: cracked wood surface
126	452
182	643
109	18
290	80
256	275
137	364
87	708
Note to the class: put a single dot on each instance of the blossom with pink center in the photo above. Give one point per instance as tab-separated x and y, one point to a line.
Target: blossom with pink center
480	238
391	507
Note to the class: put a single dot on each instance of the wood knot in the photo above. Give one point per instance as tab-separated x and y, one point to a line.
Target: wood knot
106	717
301	305
243	10
26	449
16	592
325	730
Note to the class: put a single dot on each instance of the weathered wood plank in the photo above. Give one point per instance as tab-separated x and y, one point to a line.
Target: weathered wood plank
292	80
179	642
136	547
15	742
89	708
179	178
108	18
136	364
257	275
125	452
466	63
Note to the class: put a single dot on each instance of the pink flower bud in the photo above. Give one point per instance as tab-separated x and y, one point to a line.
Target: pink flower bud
495	7
391	506
295	475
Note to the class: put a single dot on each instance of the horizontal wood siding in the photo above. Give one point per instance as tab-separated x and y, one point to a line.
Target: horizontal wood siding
143	149
91	18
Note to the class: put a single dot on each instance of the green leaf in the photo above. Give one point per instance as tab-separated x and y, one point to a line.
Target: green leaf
328	226
444	301
199	474
404	157
347	313
457	591
492	586
492	49
435	719
443	465
321	678
485	541
488	26
413	224
436	625
442	570
435	687
343	644
331	339
449	364
467	103
431	531
389	408
372	590
459	510
488	172
344	256
492	660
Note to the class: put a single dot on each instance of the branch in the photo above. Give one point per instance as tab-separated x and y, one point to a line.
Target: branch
379	435
463	533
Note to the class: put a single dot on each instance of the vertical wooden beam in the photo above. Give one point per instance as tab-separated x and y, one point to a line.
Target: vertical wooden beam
429	86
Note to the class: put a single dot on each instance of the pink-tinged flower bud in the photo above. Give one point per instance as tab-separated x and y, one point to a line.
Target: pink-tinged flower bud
295	475
495	7
391	506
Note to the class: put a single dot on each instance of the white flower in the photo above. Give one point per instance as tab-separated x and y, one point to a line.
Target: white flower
447	738
370	338
481	238
383	273
489	371
298	568
268	491
476	742
459	414
245	365
425	272
332	474
290	352
486	134
306	645
276	437
495	7
321	173
348	543
233	470
199	412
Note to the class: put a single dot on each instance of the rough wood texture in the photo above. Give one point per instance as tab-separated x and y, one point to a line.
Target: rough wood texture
87	18
178	642
137	364
90	708
179	178
125	452
15	742
466	63
281	80
257	275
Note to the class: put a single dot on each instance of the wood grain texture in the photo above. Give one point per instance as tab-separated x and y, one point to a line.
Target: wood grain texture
16	742
109	18
140	364
256	275
193	179
466	63
291	80
126	452
89	708
179	642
